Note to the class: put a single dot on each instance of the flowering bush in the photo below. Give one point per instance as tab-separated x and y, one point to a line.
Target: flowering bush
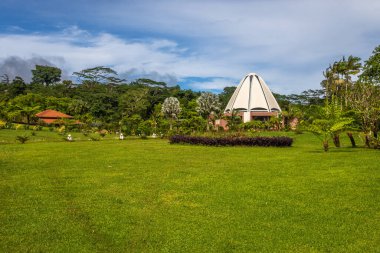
2	124
233	141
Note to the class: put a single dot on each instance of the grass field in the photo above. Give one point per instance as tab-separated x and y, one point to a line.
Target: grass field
150	196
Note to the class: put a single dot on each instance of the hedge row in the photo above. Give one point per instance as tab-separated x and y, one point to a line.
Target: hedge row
233	141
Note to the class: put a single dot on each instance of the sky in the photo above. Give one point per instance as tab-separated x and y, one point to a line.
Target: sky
204	45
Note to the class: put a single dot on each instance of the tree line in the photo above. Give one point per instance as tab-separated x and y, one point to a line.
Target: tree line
348	97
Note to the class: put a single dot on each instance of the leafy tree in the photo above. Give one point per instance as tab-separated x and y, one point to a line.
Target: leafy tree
27	105
225	96
365	99
131	123
98	75
371	69
148	82
18	87
46	75
5	79
78	107
58	104
368	105
207	104
134	101
171	109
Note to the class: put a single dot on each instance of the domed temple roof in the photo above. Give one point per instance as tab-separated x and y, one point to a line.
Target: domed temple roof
252	95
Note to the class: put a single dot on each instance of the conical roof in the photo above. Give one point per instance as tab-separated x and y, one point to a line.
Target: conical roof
252	95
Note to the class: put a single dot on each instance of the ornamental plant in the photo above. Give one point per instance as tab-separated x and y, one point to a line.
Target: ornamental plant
232	141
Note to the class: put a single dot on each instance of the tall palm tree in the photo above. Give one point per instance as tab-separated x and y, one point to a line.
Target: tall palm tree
352	67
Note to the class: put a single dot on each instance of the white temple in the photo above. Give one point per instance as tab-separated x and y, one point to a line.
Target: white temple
253	99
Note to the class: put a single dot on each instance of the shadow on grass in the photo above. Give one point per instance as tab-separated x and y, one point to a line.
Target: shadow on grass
338	150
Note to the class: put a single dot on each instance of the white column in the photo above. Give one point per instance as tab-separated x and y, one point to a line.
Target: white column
246	117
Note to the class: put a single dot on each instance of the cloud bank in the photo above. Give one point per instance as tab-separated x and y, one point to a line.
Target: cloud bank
204	45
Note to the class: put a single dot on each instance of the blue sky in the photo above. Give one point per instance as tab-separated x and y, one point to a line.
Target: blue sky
202	45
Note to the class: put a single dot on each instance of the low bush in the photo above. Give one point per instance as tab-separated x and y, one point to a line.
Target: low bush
94	138
375	143
103	132
37	128
86	132
233	141
22	138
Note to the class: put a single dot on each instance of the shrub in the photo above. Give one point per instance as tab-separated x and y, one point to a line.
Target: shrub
94	138
33	133
22	138
103	133
233	141
9	125
85	132
2	124
143	136
62	130
375	143
37	128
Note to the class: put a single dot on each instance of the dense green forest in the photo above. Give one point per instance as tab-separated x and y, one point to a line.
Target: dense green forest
349	98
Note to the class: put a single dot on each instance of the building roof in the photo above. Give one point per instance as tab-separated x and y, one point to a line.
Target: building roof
51	114
252	95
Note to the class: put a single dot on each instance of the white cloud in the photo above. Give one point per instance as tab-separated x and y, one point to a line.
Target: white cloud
289	43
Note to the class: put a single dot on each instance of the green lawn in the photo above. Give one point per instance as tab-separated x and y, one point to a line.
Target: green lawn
150	196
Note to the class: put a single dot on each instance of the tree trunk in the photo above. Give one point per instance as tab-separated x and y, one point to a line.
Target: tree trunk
350	135
367	141
326	145
336	140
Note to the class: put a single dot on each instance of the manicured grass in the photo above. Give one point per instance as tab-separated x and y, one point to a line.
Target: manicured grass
150	196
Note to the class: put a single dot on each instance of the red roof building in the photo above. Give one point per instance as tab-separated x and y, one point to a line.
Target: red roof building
49	116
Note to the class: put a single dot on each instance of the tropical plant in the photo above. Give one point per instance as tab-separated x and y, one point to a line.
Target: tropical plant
234	120
338	78
207	104
22	138
171	109
330	123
